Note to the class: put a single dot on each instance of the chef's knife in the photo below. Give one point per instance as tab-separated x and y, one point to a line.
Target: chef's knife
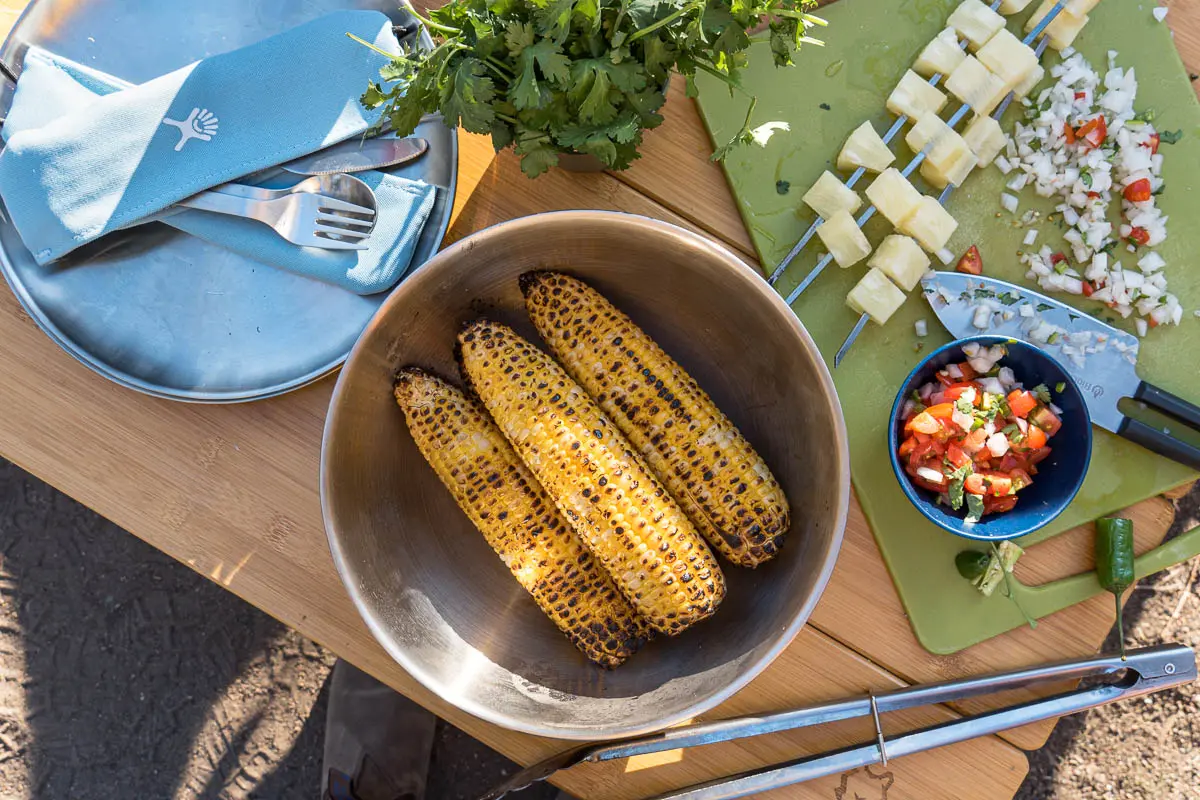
1101	358
356	155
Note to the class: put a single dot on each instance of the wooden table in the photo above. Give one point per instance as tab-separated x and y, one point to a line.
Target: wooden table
231	491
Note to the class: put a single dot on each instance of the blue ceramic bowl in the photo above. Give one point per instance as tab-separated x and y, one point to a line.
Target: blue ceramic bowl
1059	476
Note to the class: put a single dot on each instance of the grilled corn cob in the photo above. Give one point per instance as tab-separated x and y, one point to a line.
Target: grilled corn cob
516	516
723	485
620	510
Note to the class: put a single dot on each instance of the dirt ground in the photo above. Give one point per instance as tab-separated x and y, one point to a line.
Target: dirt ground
125	674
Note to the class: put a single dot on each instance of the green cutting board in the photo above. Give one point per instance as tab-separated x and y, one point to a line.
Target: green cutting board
830	92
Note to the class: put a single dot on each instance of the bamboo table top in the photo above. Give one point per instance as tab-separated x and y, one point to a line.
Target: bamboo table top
232	491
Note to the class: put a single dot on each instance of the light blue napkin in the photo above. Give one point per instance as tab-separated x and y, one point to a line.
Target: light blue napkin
79	166
52	86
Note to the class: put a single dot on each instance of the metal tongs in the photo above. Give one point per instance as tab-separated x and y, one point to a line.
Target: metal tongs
1109	679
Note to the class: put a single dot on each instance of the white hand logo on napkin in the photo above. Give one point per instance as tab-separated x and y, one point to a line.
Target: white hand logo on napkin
201	124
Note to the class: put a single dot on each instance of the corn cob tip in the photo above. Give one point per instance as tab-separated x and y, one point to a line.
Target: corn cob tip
530	280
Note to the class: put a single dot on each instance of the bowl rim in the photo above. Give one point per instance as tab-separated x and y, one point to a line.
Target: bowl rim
753	281
910	491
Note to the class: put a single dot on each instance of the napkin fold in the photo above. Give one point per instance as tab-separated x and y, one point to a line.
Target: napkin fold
72	169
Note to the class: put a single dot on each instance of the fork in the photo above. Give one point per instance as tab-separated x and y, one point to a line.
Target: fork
299	215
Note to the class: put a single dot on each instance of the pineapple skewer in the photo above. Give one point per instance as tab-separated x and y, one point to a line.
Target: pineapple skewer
942	198
916	162
897	126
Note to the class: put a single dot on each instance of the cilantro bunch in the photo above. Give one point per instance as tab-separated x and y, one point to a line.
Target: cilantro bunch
577	76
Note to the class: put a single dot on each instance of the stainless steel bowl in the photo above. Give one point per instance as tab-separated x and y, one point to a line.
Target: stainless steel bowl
426	582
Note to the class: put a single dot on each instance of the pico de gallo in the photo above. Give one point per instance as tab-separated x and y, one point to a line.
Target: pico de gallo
975	435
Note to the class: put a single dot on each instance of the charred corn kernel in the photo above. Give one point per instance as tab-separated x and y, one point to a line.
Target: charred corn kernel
519	520
616	505
721	482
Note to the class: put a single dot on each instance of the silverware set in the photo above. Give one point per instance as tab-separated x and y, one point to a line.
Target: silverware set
331	209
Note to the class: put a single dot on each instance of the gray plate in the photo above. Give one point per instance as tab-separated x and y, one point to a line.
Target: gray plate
163	312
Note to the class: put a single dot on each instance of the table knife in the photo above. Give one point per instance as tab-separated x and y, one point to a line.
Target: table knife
357	155
1102	359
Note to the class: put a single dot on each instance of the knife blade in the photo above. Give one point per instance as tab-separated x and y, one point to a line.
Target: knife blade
356	155
1102	359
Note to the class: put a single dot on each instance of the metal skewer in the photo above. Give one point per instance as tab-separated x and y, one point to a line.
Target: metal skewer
945	195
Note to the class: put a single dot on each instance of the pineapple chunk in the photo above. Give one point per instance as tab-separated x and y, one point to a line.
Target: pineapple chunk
953	166
929	130
1015	6
1061	32
975	22
948	159
893	195
941	55
930	224
843	239
985	138
829	196
976	85
902	260
913	96
876	296
1007	56
1030	83
865	149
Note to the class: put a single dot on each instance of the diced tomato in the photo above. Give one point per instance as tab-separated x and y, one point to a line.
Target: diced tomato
1088	289
1080	95
942	411
1094	131
1040	455
975	484
971	262
996	484
957	390
907	446
968	372
1021	402
1035	438
923	423
974	441
1009	462
1069	132
1153	144
926	451
1056	259
1139	236
1020	479
998	505
1139	191
956	456
1045	419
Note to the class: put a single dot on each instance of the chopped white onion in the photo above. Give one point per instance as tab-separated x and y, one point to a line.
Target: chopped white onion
1030	237
921	327
1009	202
997	444
931	475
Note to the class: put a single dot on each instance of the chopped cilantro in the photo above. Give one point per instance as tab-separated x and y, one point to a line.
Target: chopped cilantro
1086	179
963	406
1044	307
783	187
974	508
1170	137
1041	392
1060	387
1008	298
1145	116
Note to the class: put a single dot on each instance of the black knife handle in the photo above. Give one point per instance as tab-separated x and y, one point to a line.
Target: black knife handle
1156	441
1168	403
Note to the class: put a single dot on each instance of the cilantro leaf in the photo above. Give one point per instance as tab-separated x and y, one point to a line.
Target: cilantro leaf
1170	137
974	508
518	36
1041	392
537	153
554	20
549	56
467	97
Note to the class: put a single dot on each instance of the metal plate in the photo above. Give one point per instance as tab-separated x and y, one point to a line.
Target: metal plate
163	312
